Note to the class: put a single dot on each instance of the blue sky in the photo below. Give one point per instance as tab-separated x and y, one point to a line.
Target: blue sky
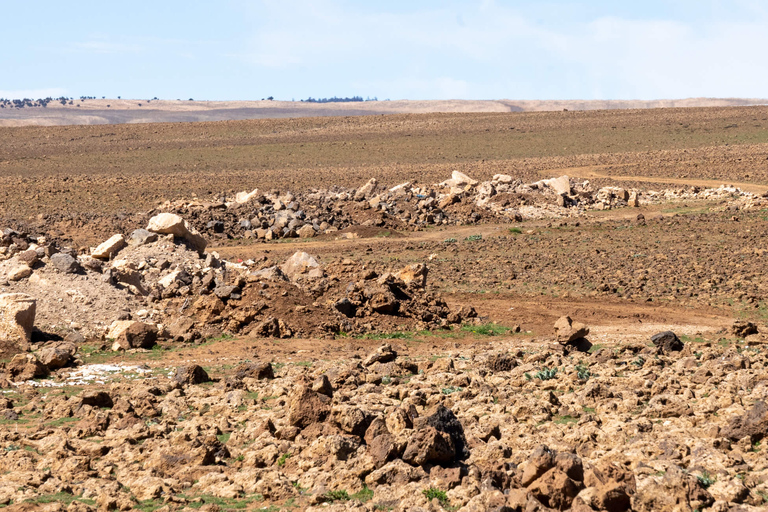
292	49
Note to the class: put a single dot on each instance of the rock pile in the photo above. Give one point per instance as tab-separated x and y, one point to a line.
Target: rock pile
458	200
164	286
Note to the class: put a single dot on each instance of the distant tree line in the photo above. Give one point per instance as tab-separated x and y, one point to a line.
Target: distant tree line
43	102
338	100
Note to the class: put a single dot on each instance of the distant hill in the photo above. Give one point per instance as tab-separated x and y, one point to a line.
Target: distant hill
106	111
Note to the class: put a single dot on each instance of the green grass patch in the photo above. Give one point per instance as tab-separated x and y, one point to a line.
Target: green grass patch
487	329
60	422
283	459
565	420
332	496
222	503
223	438
148	505
223	337
516	231
363	495
60	497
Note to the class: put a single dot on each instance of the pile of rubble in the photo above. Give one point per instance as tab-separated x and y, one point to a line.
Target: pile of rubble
159	283
408	206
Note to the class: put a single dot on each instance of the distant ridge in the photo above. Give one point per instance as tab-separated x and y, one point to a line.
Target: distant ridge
159	111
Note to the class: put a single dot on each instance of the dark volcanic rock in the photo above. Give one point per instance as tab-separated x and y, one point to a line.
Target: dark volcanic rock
667	341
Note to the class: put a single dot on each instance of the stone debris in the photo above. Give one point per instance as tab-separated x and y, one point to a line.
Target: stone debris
453	434
460	200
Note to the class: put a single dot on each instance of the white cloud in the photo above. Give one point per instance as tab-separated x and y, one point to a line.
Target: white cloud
486	50
18	94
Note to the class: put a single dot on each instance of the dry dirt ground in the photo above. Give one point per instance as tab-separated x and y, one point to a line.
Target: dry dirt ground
491	413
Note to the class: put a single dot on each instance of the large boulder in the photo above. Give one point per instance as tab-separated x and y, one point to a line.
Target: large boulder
172	224
244	197
667	341
192	374
136	335
56	357
300	265
18	273
17	316
445	421
366	190
752	424
306	231
415	274
308	407
561	185
569	331
108	249
26	367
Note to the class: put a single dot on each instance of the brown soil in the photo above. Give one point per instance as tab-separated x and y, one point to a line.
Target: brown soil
650	422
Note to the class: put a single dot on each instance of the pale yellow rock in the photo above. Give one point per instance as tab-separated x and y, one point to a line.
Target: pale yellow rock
172	224
17	316
19	273
109	248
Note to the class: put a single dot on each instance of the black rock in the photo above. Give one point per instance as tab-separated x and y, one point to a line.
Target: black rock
345	307
216	225
444	420
667	341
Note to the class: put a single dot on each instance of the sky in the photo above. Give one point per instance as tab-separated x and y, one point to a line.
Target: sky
393	49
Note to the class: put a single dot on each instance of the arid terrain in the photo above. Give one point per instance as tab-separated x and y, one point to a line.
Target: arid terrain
511	311
119	111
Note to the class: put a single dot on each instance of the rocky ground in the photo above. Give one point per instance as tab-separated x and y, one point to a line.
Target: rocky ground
514	423
585	339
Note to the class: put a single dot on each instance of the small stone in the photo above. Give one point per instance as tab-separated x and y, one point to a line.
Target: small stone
19	273
65	263
142	237
192	374
109	248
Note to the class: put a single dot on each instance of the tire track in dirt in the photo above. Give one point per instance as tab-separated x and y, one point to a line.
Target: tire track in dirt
593	172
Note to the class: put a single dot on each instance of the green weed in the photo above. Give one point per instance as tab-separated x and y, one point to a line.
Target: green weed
706	480
332	496
433	493
364	495
545	374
